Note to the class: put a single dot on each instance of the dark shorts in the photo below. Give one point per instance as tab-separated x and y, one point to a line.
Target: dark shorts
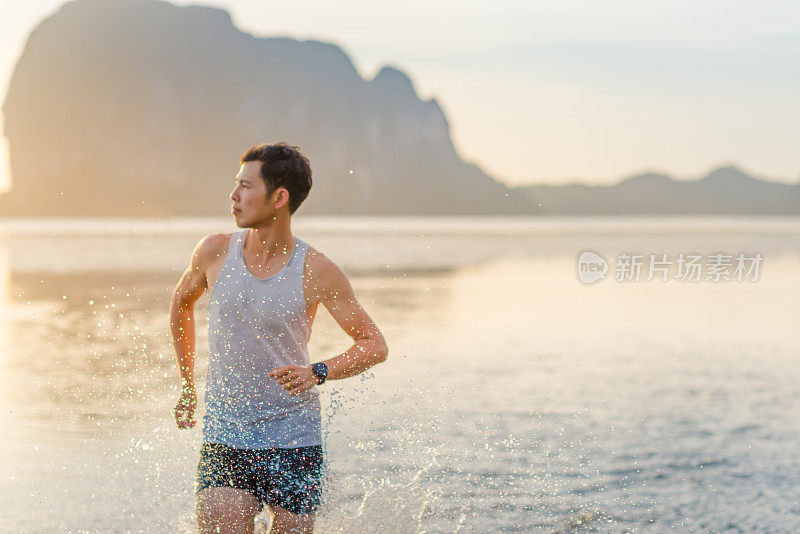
289	478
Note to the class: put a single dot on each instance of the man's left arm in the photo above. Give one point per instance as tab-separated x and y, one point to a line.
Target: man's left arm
369	347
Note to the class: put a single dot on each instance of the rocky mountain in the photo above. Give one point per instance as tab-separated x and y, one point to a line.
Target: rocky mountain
142	108
726	190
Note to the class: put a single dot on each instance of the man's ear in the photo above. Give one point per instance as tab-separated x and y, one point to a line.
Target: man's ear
281	197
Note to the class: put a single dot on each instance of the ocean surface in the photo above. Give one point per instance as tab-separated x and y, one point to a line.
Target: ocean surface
516	397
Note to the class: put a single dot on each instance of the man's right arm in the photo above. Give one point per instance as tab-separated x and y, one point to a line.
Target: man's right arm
181	312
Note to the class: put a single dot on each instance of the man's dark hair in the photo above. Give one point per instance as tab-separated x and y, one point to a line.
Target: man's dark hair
285	166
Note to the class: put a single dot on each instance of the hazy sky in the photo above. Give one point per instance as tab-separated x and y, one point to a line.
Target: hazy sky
560	91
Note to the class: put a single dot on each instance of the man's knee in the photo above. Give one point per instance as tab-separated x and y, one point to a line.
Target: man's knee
226	510
286	522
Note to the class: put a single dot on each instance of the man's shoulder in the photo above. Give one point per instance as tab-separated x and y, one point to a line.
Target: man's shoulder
324	271
318	263
213	245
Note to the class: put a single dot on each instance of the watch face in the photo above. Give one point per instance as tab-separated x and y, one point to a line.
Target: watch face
320	369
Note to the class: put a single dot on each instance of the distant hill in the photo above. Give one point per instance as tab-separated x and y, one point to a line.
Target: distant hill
142	108
726	190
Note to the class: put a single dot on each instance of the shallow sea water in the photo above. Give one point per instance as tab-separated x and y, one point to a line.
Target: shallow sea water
515	398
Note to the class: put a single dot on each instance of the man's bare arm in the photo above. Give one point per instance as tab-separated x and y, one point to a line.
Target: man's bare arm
191	286
369	347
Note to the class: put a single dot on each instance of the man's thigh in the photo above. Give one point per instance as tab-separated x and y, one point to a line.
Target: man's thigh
290	479
286	522
226	510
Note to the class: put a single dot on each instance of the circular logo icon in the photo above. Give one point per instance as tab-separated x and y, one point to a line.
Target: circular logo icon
591	267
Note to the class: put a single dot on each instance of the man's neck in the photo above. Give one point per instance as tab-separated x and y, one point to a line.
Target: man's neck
269	241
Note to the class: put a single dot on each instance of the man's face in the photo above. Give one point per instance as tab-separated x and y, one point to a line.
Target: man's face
249	196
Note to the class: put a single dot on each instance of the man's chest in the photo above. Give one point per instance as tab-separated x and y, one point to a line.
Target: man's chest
310	279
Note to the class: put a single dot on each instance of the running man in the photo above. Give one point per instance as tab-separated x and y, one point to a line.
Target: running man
262	431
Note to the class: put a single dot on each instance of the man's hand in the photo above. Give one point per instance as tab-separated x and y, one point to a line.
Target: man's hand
294	378
185	407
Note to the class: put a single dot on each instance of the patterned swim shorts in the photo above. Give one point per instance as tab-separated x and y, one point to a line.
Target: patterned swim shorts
289	478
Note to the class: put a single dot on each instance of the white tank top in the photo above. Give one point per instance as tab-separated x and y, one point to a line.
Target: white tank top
255	325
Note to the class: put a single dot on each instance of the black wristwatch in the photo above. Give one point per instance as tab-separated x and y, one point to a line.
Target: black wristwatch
320	370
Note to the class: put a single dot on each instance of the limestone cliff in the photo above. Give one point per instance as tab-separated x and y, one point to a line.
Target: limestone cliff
142	108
